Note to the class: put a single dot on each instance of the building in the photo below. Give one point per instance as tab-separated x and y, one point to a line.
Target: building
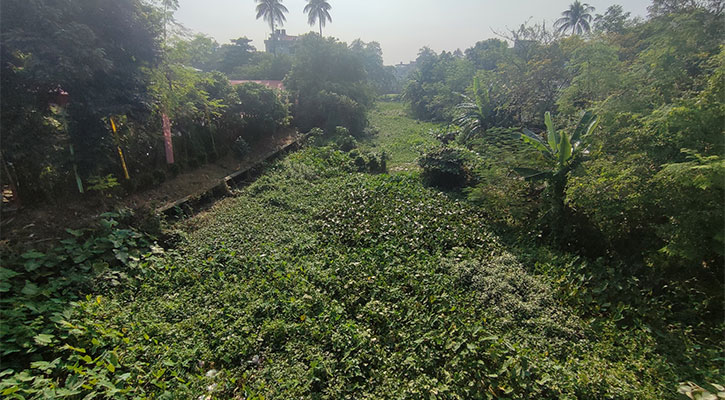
280	43
277	85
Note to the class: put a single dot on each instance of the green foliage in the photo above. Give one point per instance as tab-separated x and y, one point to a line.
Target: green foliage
59	52
262	109
445	168
241	147
330	84
102	183
578	18
433	89
695	190
37	287
271	11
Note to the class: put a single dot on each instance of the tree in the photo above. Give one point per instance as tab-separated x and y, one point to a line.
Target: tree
664	7
562	152
330	85
271	11
234	55
49	48
614	20
318	10
577	19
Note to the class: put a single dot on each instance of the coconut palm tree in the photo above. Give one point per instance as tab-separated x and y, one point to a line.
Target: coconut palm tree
271	11
318	10
577	18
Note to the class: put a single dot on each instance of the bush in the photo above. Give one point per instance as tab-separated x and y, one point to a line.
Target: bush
262	109
369	162
343	140
241	147
444	168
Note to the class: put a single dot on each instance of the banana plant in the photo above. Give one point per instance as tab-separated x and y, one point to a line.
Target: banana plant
476	113
562	150
559	148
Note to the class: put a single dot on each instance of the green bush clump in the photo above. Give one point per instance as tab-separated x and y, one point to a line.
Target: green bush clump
367	161
343	140
444	168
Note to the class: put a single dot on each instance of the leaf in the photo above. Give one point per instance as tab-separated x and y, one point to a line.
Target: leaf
551	135
6	274
531	174
32	254
124	377
564	149
30	289
531	138
43	339
582	128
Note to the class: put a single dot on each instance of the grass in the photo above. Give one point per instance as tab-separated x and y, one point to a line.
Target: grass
402	138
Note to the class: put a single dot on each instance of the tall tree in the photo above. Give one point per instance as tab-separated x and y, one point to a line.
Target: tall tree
318	10
577	19
272	11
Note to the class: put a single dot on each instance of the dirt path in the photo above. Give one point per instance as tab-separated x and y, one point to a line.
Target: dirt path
34	226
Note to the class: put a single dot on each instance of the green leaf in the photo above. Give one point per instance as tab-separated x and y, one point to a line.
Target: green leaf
531	174
33	254
30	289
551	135
564	149
533	140
6	274
582	128
43	339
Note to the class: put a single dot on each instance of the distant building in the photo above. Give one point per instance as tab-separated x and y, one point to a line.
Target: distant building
280	43
277	85
403	71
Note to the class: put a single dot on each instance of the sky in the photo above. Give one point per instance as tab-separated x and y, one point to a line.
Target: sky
402	27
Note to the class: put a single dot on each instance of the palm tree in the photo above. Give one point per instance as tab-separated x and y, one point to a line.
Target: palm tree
577	18
271	11
318	10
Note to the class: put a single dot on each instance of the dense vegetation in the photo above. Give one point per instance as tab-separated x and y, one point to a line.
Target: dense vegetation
69	87
644	184
537	220
390	289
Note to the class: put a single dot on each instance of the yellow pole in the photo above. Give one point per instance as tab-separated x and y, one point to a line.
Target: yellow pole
118	146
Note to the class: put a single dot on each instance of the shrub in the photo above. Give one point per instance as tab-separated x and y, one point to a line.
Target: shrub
241	147
366	161
343	140
444	168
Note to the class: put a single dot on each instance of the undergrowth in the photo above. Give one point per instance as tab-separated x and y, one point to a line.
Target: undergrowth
321	282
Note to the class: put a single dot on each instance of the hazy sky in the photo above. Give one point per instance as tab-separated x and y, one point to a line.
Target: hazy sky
401	27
